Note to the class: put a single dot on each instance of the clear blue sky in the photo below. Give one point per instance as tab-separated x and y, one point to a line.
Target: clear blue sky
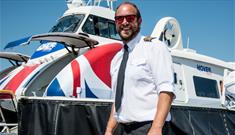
210	24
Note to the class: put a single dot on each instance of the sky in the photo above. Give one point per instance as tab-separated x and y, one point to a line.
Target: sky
209	24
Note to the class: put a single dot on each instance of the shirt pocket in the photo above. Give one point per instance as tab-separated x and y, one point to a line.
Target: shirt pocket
139	70
139	63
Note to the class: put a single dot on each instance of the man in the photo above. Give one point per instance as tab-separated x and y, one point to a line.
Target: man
144	80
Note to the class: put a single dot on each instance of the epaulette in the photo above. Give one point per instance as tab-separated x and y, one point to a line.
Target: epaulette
149	39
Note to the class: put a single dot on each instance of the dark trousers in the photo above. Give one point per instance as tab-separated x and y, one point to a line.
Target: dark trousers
138	128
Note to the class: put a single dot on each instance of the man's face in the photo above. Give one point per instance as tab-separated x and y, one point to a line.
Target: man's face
126	22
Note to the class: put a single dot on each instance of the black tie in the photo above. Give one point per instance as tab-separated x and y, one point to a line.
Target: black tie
120	79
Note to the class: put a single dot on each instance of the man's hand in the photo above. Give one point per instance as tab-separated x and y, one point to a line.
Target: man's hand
155	131
108	132
112	123
163	107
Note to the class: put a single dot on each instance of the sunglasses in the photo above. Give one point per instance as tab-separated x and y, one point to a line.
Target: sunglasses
120	19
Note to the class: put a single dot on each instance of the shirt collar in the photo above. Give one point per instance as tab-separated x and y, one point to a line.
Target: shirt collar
131	44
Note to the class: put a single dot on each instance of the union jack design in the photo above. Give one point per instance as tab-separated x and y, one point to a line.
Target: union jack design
87	76
17	80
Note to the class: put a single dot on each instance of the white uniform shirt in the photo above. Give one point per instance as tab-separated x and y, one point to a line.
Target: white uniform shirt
148	72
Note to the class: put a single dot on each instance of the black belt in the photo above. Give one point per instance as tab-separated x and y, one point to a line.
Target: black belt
136	124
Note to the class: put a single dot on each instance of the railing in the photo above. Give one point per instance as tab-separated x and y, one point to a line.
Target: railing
77	3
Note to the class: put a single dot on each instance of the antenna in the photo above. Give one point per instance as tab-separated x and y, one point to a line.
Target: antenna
188	42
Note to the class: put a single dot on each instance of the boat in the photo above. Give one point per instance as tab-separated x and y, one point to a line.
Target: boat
204	85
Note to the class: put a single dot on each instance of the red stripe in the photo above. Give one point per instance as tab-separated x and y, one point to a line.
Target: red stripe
100	59
15	82
76	76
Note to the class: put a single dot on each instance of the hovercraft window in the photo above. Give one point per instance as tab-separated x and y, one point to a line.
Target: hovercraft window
68	24
205	87
99	26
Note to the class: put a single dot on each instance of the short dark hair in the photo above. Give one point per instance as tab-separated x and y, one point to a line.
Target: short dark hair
138	15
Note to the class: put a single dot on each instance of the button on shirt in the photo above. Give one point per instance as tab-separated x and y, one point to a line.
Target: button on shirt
148	72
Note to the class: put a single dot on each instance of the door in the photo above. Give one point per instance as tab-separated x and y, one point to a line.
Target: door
179	83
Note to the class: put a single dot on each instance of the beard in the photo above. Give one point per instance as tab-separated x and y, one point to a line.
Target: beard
128	34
